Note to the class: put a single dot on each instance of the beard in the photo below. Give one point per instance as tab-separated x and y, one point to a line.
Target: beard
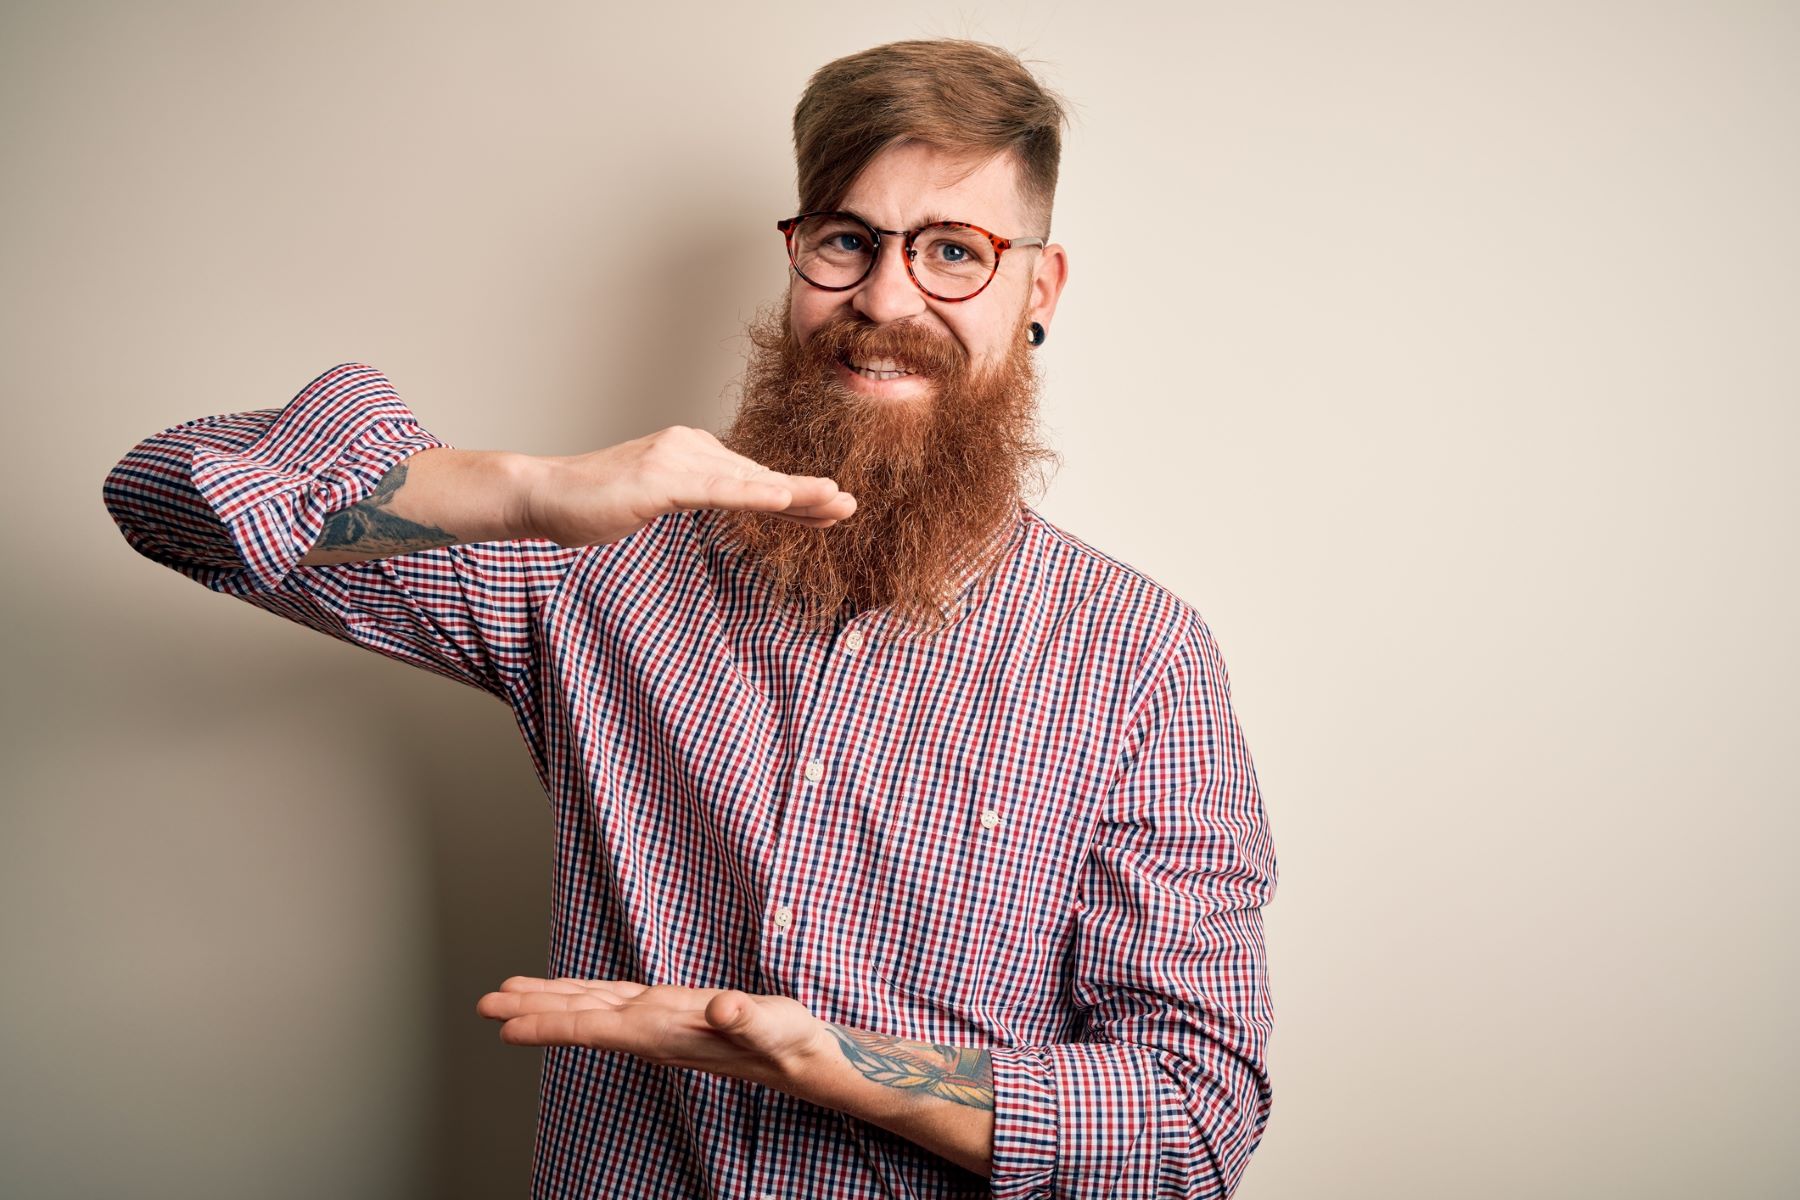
938	478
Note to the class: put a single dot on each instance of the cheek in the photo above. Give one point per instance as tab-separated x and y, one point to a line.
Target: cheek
809	308
989	343
982	343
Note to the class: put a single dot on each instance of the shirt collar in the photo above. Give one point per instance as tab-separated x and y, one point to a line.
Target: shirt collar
958	594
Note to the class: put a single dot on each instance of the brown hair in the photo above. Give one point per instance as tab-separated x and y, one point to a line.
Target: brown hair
960	96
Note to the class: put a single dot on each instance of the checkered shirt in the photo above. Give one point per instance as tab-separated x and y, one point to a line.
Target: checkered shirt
1039	832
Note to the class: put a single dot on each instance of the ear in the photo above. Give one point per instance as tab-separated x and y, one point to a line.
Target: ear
1047	282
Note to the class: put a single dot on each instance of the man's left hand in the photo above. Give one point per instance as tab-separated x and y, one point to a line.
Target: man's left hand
767	1039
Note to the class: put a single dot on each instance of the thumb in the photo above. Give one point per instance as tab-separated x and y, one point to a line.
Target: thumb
735	1014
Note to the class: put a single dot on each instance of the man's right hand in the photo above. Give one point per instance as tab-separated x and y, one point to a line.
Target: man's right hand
605	495
444	496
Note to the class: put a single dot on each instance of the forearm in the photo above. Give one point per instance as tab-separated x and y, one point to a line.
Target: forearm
437	497
941	1097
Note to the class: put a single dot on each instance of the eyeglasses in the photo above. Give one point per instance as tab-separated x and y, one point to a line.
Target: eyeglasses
947	260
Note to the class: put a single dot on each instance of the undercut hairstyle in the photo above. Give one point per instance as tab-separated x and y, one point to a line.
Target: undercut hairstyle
962	97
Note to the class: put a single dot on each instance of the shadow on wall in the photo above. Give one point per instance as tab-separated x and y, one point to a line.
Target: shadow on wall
674	294
463	773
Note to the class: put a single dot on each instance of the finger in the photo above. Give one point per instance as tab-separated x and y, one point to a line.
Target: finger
820	514
738	1016
622	987
807	490
559	1029
634	1032
814	491
503	1006
733	492
746	485
529	983
839	506
730	1011
732	463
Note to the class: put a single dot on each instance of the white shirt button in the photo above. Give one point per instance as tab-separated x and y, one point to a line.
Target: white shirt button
853	639
784	916
989	818
815	771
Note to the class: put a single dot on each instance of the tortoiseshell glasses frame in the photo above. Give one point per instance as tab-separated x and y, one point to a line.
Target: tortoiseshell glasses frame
909	253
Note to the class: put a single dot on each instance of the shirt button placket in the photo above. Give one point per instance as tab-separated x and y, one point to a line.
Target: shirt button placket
813	771
783	916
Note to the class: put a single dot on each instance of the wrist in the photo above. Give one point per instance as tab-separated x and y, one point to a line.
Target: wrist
822	1075
527	480
810	1074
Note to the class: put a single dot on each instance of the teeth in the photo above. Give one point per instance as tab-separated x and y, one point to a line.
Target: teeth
881	368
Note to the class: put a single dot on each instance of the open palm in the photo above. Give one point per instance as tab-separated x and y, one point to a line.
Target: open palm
719	1030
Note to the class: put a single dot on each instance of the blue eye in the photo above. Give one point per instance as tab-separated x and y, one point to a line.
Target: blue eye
952	248
837	238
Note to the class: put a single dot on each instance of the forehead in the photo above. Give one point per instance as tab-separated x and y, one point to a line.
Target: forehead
913	183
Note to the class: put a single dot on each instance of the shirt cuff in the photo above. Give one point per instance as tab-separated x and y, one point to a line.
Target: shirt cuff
326	450
1025	1105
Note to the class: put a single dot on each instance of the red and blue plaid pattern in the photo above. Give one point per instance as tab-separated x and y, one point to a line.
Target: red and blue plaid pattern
1040	832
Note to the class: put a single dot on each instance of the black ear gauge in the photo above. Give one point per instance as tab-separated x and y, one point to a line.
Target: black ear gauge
1037	334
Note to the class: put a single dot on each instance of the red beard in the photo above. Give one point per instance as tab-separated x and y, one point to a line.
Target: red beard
937	479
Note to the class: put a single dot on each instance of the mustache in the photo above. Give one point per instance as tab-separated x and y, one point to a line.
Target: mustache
909	344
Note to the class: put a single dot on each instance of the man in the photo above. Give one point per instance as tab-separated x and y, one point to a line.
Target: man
902	838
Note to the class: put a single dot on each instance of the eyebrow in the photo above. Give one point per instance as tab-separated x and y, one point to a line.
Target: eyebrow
931	217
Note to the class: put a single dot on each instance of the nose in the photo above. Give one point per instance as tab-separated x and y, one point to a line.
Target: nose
887	292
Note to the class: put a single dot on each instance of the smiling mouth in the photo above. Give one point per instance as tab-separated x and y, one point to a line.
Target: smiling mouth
880	368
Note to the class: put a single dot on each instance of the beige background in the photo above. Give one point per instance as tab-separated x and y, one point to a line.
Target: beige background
1443	355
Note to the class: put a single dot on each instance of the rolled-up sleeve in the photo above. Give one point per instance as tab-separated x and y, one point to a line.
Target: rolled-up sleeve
235	501
1166	1092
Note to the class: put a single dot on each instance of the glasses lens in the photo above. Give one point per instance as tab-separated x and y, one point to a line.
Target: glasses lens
833	250
953	261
